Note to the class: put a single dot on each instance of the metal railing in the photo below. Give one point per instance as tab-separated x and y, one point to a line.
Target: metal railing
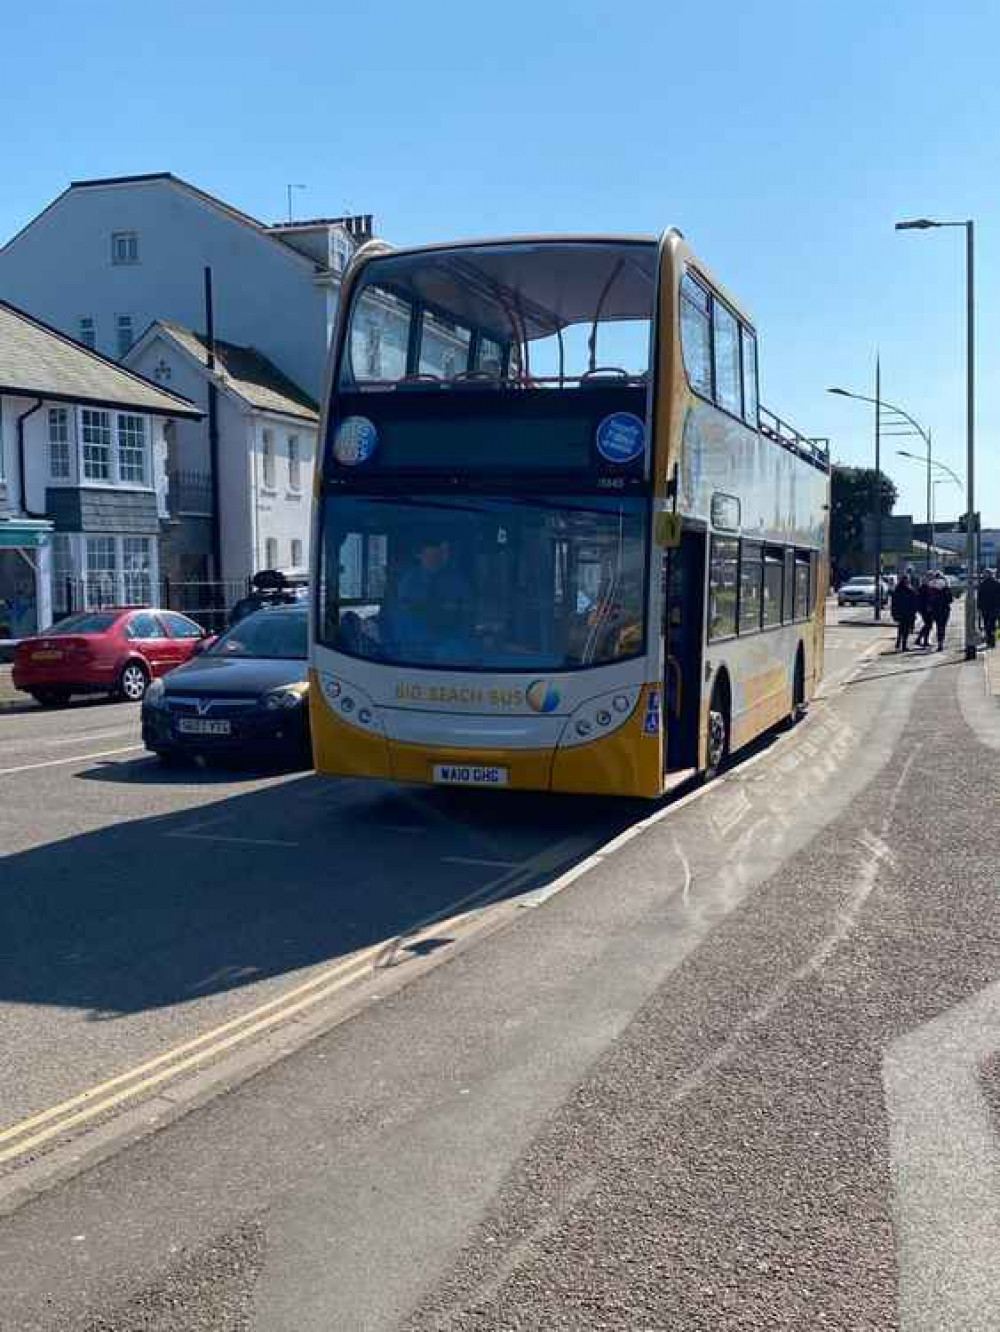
813	450
207	602
190	493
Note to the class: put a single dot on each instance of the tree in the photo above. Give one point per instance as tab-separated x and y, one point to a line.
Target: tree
852	492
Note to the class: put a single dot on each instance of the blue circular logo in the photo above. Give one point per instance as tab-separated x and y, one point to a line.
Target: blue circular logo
542	696
355	441
621	437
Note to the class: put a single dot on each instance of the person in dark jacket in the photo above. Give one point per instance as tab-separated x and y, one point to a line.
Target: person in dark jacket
923	606
939	601
904	612
989	605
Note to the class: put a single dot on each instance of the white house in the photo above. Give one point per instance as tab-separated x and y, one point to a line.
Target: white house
267	430
109	258
83	485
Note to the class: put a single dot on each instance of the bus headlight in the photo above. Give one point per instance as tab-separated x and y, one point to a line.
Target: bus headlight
350	703
600	716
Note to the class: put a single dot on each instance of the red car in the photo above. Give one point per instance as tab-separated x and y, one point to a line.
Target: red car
114	651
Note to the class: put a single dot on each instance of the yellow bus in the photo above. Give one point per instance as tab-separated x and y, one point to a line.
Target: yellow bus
558	545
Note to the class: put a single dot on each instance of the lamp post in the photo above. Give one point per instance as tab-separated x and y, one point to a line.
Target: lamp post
951	477
897	423
941	481
924	224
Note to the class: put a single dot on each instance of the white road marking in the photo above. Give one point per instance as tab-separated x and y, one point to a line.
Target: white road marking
83	738
236	841
486	864
76	758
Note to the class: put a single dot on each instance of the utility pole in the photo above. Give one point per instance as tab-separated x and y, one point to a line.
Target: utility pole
213	425
878	488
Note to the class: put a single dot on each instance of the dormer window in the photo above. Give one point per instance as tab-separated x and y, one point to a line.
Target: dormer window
124	247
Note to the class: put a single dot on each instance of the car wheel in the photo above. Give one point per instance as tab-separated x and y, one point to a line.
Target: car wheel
718	730
133	682
51	698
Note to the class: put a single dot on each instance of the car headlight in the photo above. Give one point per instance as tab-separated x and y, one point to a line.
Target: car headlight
288	696
155	695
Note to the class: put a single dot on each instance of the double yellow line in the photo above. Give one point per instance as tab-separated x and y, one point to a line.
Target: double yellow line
37	1130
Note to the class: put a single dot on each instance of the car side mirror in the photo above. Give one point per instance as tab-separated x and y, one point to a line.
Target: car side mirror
203	644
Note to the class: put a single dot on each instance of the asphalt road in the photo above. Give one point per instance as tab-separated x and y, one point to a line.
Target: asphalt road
653	1101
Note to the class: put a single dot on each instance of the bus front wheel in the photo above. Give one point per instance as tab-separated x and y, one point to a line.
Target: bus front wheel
718	730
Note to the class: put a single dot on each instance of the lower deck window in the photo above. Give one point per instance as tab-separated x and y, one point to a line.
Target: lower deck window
750	587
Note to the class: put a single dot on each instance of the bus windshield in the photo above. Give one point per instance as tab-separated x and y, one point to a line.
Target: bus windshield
553	314
477	583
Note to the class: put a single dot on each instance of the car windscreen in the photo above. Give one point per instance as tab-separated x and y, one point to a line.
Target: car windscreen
85	623
274	634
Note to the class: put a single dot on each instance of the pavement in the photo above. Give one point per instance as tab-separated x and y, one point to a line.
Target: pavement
699	1072
8	694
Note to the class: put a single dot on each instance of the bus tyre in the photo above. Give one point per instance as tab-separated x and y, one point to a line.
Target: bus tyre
798	689
718	731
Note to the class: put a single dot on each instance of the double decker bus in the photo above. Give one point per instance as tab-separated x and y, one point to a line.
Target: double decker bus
558	545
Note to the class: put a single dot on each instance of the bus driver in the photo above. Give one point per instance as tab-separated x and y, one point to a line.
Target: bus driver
433	614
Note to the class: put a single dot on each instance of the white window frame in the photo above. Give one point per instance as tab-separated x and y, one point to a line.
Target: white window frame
116	477
267	458
88	331
128	243
270	545
104	590
118	585
59	444
127	449
294	463
296	553
85	476
136	578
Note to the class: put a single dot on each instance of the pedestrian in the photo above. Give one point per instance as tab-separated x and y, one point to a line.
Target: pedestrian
923	606
989	605
939	601
904	612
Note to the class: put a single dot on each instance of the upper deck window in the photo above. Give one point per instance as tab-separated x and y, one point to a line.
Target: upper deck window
548	314
696	334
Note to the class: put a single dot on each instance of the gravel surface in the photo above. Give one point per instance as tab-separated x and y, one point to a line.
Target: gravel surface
725	1165
209	1290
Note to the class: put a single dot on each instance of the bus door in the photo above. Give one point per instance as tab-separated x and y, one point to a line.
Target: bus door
683	633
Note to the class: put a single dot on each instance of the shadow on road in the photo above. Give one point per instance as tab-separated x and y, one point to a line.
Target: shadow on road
165	910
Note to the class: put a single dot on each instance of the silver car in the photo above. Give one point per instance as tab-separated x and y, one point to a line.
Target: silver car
860	591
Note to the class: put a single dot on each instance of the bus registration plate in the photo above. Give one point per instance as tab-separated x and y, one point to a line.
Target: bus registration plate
470	774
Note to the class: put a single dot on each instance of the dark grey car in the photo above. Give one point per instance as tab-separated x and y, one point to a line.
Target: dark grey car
247	694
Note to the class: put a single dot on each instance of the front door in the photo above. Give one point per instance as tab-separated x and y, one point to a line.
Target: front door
683	631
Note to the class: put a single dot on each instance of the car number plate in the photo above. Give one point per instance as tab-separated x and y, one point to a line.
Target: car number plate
202	726
470	774
50	654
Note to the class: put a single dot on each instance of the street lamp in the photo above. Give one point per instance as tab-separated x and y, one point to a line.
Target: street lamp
903	425
942	481
952	477
924	224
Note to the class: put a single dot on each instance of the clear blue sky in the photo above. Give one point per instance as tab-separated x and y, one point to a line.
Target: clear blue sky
784	139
